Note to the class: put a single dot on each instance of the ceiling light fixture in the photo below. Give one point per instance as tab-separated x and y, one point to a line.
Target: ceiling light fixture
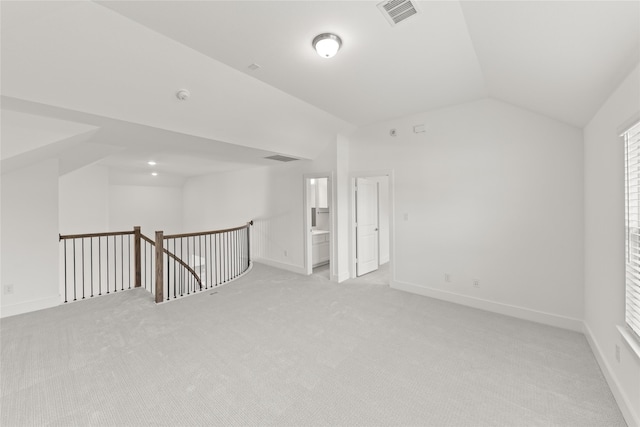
154	173
327	44
151	163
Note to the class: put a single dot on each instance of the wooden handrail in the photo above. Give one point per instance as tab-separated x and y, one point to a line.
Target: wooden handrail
171	255
147	239
205	233
83	236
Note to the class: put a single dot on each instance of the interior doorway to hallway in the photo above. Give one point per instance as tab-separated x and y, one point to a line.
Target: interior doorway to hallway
318	223
371	221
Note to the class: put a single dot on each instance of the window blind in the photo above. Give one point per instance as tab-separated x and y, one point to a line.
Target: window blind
632	227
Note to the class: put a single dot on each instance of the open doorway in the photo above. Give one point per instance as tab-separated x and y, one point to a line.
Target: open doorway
318	224
371	248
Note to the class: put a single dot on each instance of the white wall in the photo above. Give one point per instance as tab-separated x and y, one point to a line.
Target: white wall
29	245
89	203
604	242
342	267
267	195
224	200
84	201
270	196
152	208
491	193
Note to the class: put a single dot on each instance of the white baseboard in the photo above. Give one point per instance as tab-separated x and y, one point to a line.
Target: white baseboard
628	410
29	306
282	265
492	306
343	276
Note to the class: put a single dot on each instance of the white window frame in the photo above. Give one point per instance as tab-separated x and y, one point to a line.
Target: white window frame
631	139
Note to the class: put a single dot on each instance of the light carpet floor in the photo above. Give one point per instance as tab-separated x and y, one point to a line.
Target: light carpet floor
277	348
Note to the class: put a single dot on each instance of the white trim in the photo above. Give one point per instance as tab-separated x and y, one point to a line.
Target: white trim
282	265
628	410
631	340
29	306
628	124
551	319
344	276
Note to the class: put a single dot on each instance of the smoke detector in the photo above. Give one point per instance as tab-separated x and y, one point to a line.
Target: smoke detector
396	11
183	94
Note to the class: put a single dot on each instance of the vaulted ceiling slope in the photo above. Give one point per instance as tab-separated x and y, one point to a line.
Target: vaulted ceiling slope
123	62
558	58
80	56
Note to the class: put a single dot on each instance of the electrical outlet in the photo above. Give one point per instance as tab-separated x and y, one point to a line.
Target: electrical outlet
618	353
476	283
285	253
8	289
447	277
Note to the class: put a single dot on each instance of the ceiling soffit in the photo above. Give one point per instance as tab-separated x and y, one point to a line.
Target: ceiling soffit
133	73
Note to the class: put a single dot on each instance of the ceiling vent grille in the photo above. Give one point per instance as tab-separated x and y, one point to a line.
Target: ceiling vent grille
279	158
396	11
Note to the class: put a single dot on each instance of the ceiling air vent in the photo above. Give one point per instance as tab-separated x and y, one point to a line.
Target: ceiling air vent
396	11
279	158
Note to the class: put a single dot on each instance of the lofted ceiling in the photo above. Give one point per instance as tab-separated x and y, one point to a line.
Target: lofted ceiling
381	71
117	65
558	58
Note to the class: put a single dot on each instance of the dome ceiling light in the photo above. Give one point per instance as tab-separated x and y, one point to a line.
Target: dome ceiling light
327	44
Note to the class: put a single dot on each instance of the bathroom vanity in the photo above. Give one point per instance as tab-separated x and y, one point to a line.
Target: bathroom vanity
320	243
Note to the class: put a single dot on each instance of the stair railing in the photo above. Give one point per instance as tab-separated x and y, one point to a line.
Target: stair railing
213	258
97	264
169	267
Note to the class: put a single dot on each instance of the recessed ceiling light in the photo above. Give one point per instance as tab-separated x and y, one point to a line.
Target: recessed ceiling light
151	163
154	173
327	44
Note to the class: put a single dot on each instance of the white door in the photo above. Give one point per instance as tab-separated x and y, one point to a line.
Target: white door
366	226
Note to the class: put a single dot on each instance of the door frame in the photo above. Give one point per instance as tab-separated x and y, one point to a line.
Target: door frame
389	173
306	223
